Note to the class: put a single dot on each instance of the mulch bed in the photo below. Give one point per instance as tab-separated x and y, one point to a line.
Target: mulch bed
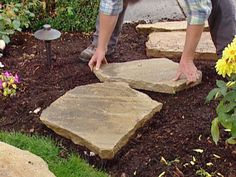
182	125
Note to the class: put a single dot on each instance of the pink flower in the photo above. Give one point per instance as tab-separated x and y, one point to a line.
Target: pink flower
7	74
0	84
17	79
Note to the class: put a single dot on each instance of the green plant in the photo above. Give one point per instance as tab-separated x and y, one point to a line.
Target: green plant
226	94
71	15
14	17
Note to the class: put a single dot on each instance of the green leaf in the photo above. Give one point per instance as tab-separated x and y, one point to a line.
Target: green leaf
6	39
231	140
230	96
212	94
215	132
225	120
233	129
220	84
16	24
230	107
220	108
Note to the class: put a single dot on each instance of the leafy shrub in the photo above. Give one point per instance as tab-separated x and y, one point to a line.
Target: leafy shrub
14	17
74	15
226	94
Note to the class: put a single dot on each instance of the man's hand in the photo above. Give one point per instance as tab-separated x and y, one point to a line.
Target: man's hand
186	65
97	59
188	69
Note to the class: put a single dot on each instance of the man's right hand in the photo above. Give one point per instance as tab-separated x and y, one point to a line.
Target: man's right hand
97	59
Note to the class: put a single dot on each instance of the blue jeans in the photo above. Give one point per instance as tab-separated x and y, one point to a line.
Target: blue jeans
116	33
222	23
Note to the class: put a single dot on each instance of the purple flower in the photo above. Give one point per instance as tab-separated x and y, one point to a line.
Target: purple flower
7	74
17	78
0	84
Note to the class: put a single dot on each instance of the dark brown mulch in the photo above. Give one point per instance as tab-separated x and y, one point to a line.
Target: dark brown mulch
182	125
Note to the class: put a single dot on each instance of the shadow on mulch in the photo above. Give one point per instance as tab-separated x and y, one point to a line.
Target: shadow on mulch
182	125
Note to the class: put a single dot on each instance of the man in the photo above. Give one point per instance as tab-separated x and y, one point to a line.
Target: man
222	22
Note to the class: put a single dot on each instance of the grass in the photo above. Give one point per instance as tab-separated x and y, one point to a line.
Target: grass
73	166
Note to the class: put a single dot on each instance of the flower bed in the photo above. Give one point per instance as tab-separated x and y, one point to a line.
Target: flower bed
180	134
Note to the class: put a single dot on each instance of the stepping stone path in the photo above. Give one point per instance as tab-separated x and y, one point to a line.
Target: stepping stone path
101	117
171	45
15	162
151	74
165	27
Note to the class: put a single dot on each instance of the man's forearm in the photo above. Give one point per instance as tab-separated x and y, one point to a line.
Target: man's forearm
107	25
193	35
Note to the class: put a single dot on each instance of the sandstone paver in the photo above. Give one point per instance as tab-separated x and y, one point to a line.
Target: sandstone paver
165	26
149	74
101	116
171	44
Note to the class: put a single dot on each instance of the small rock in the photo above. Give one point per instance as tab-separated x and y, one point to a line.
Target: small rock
91	154
2	45
36	111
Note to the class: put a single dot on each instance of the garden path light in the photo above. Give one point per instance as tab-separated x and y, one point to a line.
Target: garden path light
47	34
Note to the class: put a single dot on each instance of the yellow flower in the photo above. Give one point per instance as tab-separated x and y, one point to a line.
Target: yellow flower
229	53
14	86
224	68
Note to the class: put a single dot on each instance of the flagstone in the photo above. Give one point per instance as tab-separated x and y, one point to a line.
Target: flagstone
150	74
171	45
101	117
15	162
165	26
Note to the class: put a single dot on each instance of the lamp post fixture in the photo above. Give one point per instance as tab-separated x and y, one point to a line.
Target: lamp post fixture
47	34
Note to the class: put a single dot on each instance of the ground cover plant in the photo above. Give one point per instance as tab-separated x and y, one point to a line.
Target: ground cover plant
175	141
61	166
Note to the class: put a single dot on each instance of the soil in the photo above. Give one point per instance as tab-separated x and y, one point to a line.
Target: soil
182	125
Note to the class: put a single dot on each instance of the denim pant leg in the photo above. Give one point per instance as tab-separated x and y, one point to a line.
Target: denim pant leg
115	35
222	23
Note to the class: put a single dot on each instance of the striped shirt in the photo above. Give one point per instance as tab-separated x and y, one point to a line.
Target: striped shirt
111	7
198	10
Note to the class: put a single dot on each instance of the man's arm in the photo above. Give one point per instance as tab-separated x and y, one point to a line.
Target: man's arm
186	65
109	13
198	13
107	25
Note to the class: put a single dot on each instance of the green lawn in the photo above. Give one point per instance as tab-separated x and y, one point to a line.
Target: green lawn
73	166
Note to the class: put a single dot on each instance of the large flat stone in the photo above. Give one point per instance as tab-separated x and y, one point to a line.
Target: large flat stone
15	162
165	27
101	117
151	74
171	45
